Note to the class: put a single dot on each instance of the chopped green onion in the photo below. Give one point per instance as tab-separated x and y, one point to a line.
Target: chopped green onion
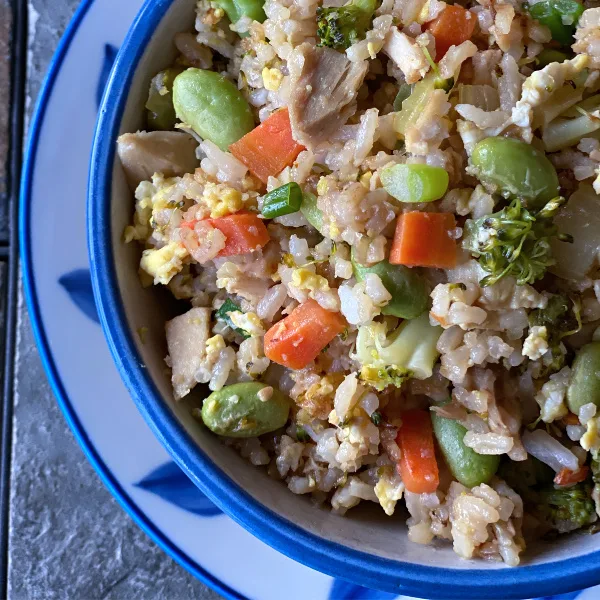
285	200
301	434
415	183
376	418
222	314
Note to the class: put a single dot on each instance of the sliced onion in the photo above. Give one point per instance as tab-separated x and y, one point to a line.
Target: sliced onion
580	218
544	447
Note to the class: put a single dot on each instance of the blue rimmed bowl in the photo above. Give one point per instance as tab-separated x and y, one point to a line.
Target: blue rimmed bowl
365	547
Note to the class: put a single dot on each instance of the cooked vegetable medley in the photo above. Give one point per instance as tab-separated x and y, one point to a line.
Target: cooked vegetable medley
385	218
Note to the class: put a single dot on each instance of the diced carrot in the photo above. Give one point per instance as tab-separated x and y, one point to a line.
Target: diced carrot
567	477
424	240
454	26
297	340
269	148
418	465
244	231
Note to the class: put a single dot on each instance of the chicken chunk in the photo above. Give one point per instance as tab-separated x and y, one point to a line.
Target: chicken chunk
186	339
324	86
144	153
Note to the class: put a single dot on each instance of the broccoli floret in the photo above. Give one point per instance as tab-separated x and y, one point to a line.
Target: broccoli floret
382	377
561	318
409	351
525	475
567	509
340	27
514	242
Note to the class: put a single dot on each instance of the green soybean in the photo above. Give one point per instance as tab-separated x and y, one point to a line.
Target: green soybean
161	112
465	464
212	106
584	386
515	169
409	290
236	9
245	410
312	213
415	183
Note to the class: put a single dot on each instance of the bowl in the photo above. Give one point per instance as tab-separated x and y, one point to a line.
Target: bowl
364	547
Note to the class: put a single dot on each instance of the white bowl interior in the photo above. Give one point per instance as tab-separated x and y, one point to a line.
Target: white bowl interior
367	530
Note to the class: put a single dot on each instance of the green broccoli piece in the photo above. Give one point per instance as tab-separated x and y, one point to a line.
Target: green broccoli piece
409	351
340	27
561	318
514	242
567	509
524	476
382	377
222	314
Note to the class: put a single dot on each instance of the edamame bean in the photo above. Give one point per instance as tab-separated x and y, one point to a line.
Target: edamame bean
161	112
312	213
584	386
515	169
212	106
465	464
415	183
245	410
410	292
236	9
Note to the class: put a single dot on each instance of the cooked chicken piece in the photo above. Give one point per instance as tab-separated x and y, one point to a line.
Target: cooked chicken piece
144	153
186	339
324	86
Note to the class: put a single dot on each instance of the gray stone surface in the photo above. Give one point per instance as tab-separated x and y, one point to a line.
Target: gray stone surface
5	29
68	536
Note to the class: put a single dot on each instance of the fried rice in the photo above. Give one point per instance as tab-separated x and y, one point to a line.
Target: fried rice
503	330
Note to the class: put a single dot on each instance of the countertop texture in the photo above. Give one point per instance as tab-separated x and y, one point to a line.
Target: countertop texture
68	537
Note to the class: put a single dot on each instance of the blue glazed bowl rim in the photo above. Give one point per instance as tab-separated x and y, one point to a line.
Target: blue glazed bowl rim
329	557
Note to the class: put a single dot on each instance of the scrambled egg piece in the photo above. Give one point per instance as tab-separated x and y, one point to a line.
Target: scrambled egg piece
249	322
272	79
551	398
163	263
536	343
214	345
322	186
424	14
140	230
389	490
305	279
590	440
221	199
365	179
